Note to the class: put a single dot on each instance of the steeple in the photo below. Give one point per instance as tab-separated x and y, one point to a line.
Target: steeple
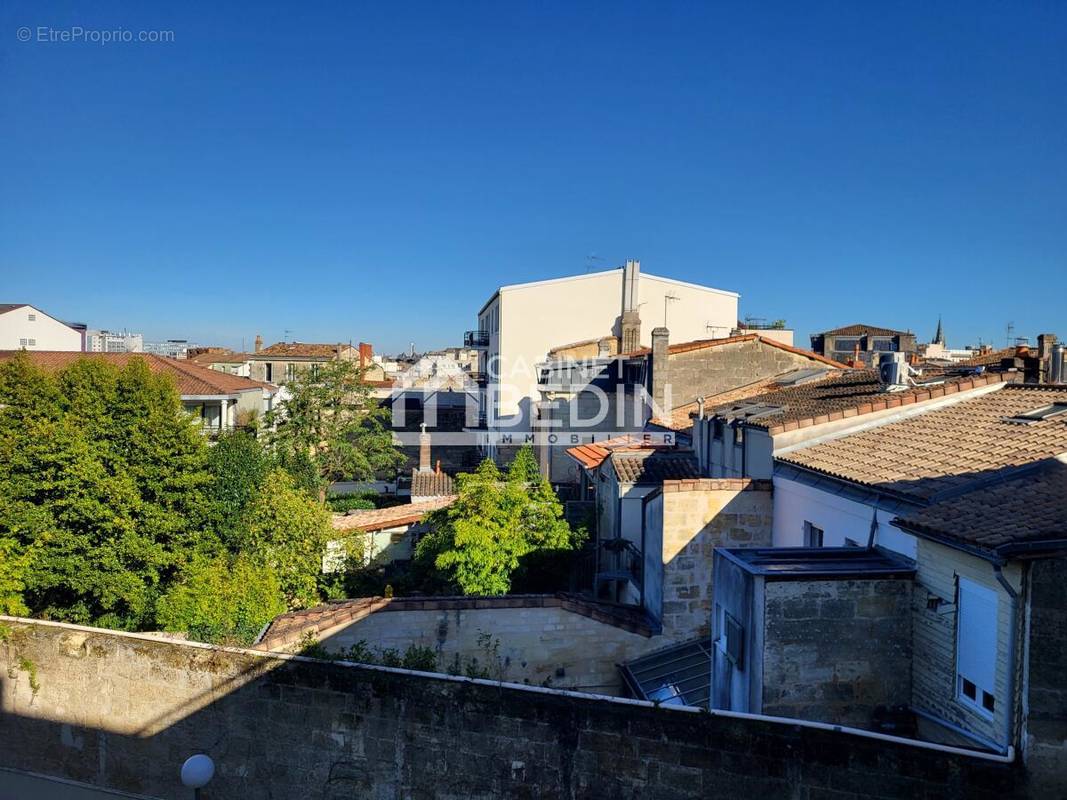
939	337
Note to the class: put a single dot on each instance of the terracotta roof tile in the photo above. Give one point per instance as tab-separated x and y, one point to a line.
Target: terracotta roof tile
431	484
701	344
858	390
860	330
301	350
1017	513
376	519
594	454
650	467
192	380
944	449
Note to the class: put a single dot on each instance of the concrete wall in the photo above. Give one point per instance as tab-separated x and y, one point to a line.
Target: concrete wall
536	317
124	711
934	637
699	516
46	332
833	650
540	645
840	518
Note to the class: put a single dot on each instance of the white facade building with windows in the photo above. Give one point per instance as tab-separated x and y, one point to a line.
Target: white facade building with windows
25	327
113	342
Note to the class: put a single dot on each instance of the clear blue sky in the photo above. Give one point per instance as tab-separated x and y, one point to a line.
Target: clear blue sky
373	171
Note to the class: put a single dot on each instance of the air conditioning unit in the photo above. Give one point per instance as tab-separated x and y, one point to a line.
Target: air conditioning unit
893	370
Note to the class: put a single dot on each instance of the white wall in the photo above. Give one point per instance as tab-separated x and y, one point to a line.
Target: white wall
535	317
839	517
42	333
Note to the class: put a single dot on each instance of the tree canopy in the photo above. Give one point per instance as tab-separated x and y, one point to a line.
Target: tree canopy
331	428
478	542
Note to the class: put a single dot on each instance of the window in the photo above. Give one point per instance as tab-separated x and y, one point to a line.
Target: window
716	429
884	344
270	372
290	371
813	535
23	342
33	342
976	646
32	317
731	639
314	371
846	343
1038	414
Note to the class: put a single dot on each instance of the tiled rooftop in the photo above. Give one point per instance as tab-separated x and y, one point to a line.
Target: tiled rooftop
841	394
703	344
651	467
301	350
595	453
431	484
944	449
376	519
192	380
860	330
1016	514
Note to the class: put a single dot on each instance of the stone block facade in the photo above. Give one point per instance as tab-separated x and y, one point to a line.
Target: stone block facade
698	516
833	650
123	711
538	640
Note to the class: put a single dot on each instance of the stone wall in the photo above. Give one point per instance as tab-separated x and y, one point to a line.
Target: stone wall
544	643
123	711
699	516
712	370
833	650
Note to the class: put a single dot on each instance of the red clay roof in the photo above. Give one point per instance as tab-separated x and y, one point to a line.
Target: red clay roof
842	394
220	358
377	519
860	330
302	350
593	454
192	380
701	344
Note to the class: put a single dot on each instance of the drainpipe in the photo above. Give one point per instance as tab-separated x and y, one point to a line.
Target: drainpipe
1009	717
874	529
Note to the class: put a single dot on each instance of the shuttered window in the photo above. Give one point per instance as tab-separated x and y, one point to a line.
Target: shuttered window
976	646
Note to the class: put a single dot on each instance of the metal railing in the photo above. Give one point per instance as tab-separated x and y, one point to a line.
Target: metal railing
476	339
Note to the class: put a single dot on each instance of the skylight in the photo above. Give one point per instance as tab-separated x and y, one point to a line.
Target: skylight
1036	415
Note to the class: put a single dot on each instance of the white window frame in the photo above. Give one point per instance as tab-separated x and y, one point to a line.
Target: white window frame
976	661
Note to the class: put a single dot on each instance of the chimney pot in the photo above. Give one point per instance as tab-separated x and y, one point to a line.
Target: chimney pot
424	450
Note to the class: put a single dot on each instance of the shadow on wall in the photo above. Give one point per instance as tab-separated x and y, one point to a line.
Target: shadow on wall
124	711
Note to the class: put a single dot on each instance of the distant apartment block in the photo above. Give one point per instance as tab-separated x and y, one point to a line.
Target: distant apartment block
26	327
863	343
100	341
171	348
519	324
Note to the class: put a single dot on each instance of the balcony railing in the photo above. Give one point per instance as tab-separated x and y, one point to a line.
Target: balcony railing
476	339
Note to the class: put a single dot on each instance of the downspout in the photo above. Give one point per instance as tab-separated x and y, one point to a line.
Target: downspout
874	529
1009	717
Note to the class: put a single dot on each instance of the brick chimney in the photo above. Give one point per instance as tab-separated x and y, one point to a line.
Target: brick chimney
1045	344
259	342
424	450
661	390
366	354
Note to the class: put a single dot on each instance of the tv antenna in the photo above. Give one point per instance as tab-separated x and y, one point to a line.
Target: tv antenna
668	298
590	261
1010	334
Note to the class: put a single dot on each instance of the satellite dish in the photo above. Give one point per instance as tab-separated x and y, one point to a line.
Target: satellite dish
197	771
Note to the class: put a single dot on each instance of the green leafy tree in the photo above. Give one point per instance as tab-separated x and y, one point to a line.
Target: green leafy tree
478	543
331	428
14	561
239	464
222	600
287	530
102	476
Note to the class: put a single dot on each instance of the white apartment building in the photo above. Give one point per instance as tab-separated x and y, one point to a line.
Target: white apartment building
113	342
519	324
25	327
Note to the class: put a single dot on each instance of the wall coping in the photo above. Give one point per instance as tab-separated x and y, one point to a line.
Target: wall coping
521	687
322	620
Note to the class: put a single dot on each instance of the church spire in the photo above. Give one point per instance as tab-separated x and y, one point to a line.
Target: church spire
939	337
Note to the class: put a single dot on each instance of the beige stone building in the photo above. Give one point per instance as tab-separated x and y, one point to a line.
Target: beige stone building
281	362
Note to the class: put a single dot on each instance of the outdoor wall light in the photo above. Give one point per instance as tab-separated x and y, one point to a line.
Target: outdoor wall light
197	771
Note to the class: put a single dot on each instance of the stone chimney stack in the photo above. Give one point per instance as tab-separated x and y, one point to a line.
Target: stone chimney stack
424	450
631	315
605	347
259	342
1046	343
661	390
366	354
